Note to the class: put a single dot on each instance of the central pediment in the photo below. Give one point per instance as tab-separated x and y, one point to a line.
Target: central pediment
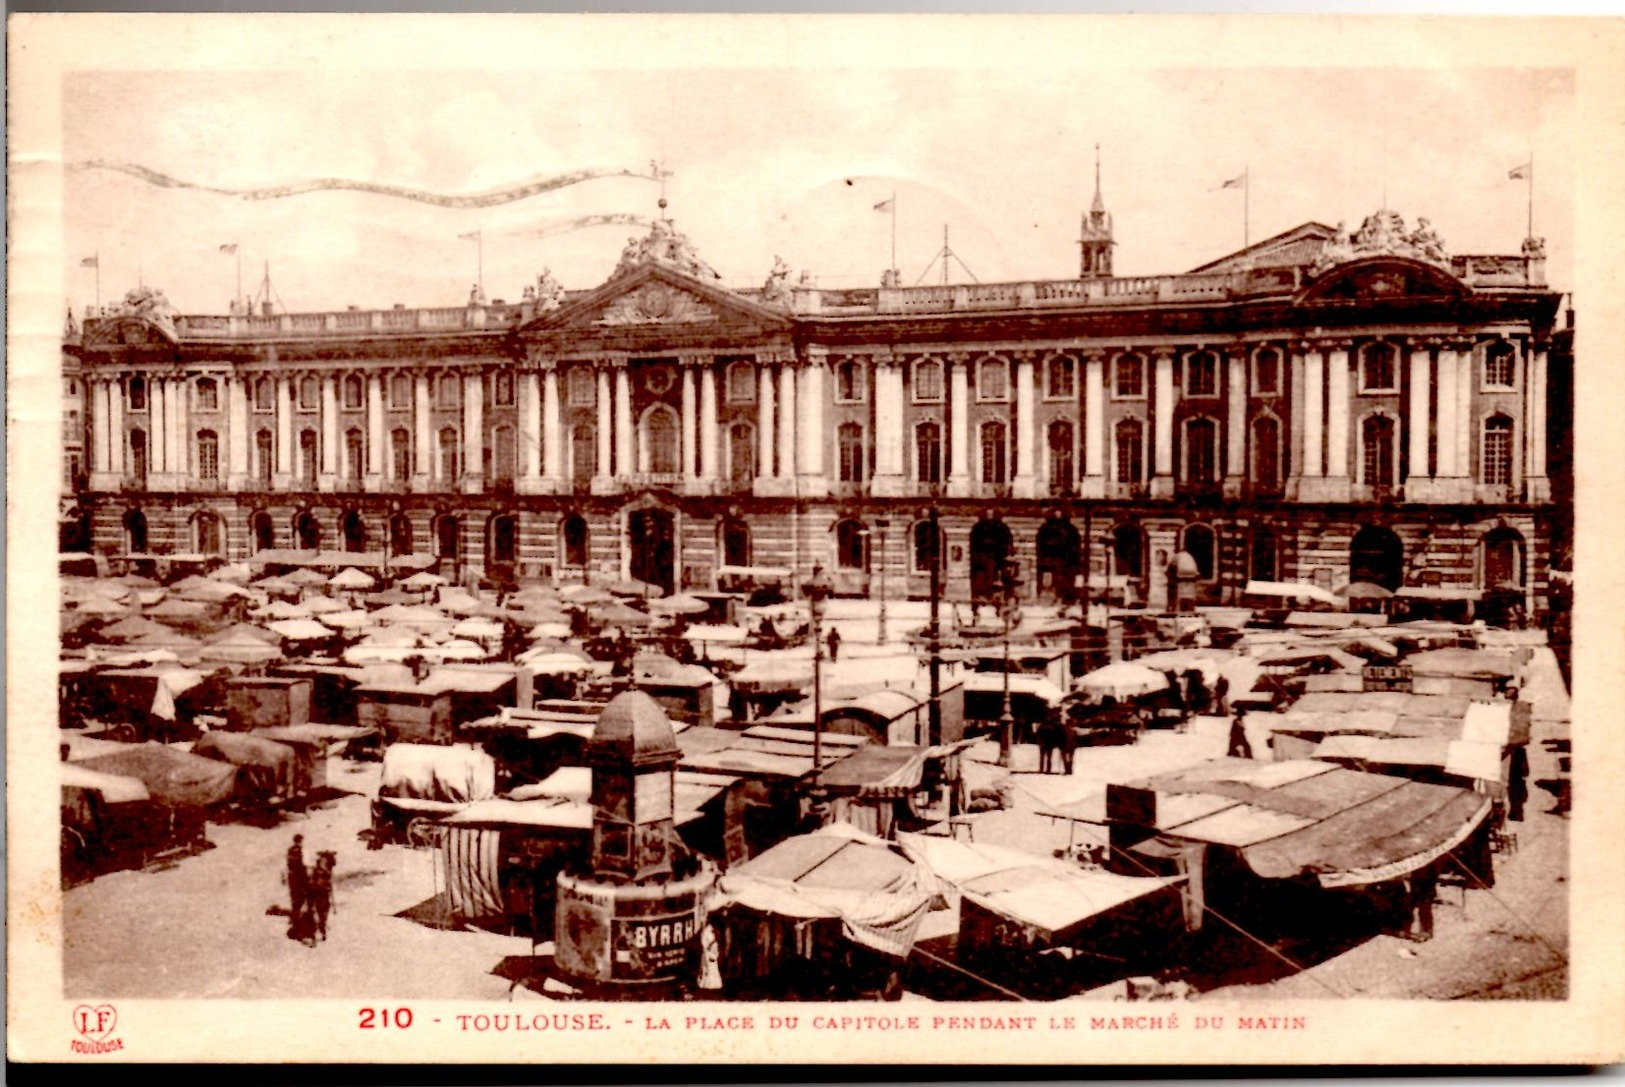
658	297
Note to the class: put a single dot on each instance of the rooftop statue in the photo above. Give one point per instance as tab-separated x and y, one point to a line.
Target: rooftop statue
549	292
149	304
664	245
777	288
1383	233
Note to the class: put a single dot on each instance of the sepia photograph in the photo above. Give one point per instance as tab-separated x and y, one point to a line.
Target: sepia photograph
800	544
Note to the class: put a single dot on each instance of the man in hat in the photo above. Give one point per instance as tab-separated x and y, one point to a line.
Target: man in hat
298	884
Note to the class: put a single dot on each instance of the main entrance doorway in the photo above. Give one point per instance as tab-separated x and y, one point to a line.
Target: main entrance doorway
652	537
989	548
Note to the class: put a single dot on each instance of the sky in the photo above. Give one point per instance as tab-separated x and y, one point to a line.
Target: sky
784	162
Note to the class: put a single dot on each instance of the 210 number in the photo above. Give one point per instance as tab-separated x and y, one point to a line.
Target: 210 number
374	1018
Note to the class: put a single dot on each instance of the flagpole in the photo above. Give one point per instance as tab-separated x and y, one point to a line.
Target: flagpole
479	241
237	251
1529	228
1246	206
894	228
98	282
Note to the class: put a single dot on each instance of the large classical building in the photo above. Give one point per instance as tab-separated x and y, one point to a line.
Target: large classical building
1320	407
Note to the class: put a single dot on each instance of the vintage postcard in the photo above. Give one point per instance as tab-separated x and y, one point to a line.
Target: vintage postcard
1064	539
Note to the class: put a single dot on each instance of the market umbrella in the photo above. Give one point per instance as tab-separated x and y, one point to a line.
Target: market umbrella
583	595
391	596
553	631
206	591
763	676
617	614
323	605
179	610
136	581
281	609
1364	590
276	584
300	630
242	645
422	581
99	605
633	587
346	620
1123	679
235	572
306	576
351	578
534	596
546	661
131	627
478	629
716	633
681	604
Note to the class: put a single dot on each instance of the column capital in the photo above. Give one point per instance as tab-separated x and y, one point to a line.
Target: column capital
690	363
1337	343
957	358
1162	353
1419	343
1094	354
1460	344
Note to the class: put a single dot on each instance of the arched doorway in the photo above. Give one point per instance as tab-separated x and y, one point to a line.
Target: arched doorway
734	539
504	540
135	532
400	535
652	537
263	531
355	532
445	537
1502	554
1377	555
1059	559
575	541
307	531
208	538
989	549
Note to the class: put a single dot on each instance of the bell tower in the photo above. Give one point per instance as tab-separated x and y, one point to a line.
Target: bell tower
1095	243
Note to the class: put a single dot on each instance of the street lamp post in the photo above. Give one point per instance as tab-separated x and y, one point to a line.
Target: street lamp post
933	633
817	589
880	635
1008	573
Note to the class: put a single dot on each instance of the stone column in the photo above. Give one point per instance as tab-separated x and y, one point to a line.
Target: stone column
1337	422
1538	485
1235	423
888	428
180	411
1445	414
1466	424
158	437
1094	425
116	440
1297	424
473	433
625	464
530	427
959	426
238	469
1314	414
690	422
330	433
606	427
284	434
1026	477
552	426
811	389
1162	483
375	432
101	433
709	438
765	445
787	420
425	461
1418	477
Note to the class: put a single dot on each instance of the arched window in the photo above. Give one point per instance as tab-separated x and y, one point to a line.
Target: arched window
264	455
310	394
353	392
1202	374
851	545
993	452
928	547
137	389
1377	555
400	454
504	454
138	454
928	452
504	540
354	530
849	385
1129	376
660	440
1500	365
574	532
583	387
450	462
208	394
355	454
1502	550
927	381
1201	451
1263	562
208	539
741	382
264	395
135	532
1062	446
1379	370
263	530
446	533
1497	448
583	452
1197	541
1060	378
1267	372
502	389
400	535
850	442
1130	450
307	532
208	456
308	456
1377	450
993	380
1128	551
450	391
741	454
735	542
1267	451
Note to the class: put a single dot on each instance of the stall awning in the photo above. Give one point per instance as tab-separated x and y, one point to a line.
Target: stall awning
172	777
876	772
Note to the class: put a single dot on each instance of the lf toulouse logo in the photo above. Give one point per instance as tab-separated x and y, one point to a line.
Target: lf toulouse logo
95	1026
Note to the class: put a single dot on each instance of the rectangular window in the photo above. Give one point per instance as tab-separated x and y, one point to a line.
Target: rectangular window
849	383
1061	382
1267	372
993	380
927	382
208	395
583	387
741	383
